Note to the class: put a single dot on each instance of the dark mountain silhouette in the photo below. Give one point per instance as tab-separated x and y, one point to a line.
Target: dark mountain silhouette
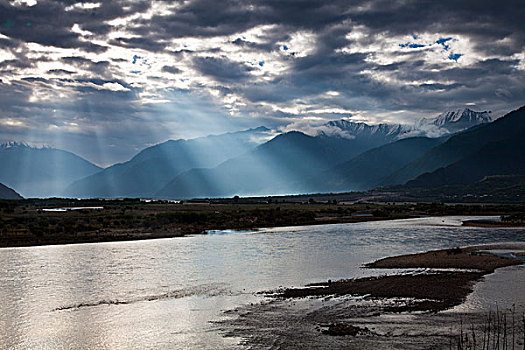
272	168
152	168
8	193
505	157
41	172
294	162
366	170
150	171
509	127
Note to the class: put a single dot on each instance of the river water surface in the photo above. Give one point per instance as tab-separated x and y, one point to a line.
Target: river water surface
166	293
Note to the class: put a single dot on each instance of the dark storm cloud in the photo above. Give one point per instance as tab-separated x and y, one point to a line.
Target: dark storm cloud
48	23
15	64
139	42
8	43
98	67
45	23
374	56
173	70
60	71
478	19
482	22
212	18
199	18
221	69
485	21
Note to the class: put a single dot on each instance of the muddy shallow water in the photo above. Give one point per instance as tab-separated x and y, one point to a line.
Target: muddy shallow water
169	293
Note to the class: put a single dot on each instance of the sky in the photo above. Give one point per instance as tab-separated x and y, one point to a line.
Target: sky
104	79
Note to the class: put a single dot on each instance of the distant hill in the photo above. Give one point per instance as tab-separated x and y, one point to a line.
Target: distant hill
155	166
8	193
366	170
504	157
272	168
41	172
490	189
510	126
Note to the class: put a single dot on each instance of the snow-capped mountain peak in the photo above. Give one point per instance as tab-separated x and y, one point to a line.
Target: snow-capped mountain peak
357	128
13	144
22	145
465	117
445	123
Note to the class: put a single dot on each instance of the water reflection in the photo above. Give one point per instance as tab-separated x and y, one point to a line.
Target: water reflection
163	293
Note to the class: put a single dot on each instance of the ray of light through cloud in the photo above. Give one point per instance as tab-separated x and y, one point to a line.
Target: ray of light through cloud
105	79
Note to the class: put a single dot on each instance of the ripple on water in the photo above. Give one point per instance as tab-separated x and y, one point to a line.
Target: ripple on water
164	293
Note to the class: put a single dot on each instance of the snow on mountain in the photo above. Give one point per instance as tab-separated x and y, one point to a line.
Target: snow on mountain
466	114
445	123
353	129
457	120
356	128
16	144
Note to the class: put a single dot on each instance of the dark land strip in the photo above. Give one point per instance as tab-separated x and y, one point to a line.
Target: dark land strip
28	223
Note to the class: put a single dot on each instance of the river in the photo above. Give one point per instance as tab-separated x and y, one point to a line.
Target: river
165	293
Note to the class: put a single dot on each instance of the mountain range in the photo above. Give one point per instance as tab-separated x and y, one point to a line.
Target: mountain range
333	160
154	167
368	169
41	172
271	168
494	149
445	123
342	156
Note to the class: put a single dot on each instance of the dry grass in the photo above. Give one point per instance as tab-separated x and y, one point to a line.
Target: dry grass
500	330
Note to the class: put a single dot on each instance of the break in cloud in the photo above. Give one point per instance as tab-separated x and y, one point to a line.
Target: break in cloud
107	78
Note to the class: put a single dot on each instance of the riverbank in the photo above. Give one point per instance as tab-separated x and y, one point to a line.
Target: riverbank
47	221
33	225
391	311
493	224
430	291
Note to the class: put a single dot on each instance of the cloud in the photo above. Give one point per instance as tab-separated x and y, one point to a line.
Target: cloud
253	62
172	70
221	69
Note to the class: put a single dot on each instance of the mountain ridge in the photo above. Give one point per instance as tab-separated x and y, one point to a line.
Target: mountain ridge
150	169
366	170
272	168
8	193
445	123
41	171
460	146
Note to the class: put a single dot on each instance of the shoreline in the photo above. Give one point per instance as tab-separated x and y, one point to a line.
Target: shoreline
493	224
123	235
390	311
15	241
38	222
432	291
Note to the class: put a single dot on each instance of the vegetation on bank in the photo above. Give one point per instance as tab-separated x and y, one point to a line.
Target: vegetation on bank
500	329
25	222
